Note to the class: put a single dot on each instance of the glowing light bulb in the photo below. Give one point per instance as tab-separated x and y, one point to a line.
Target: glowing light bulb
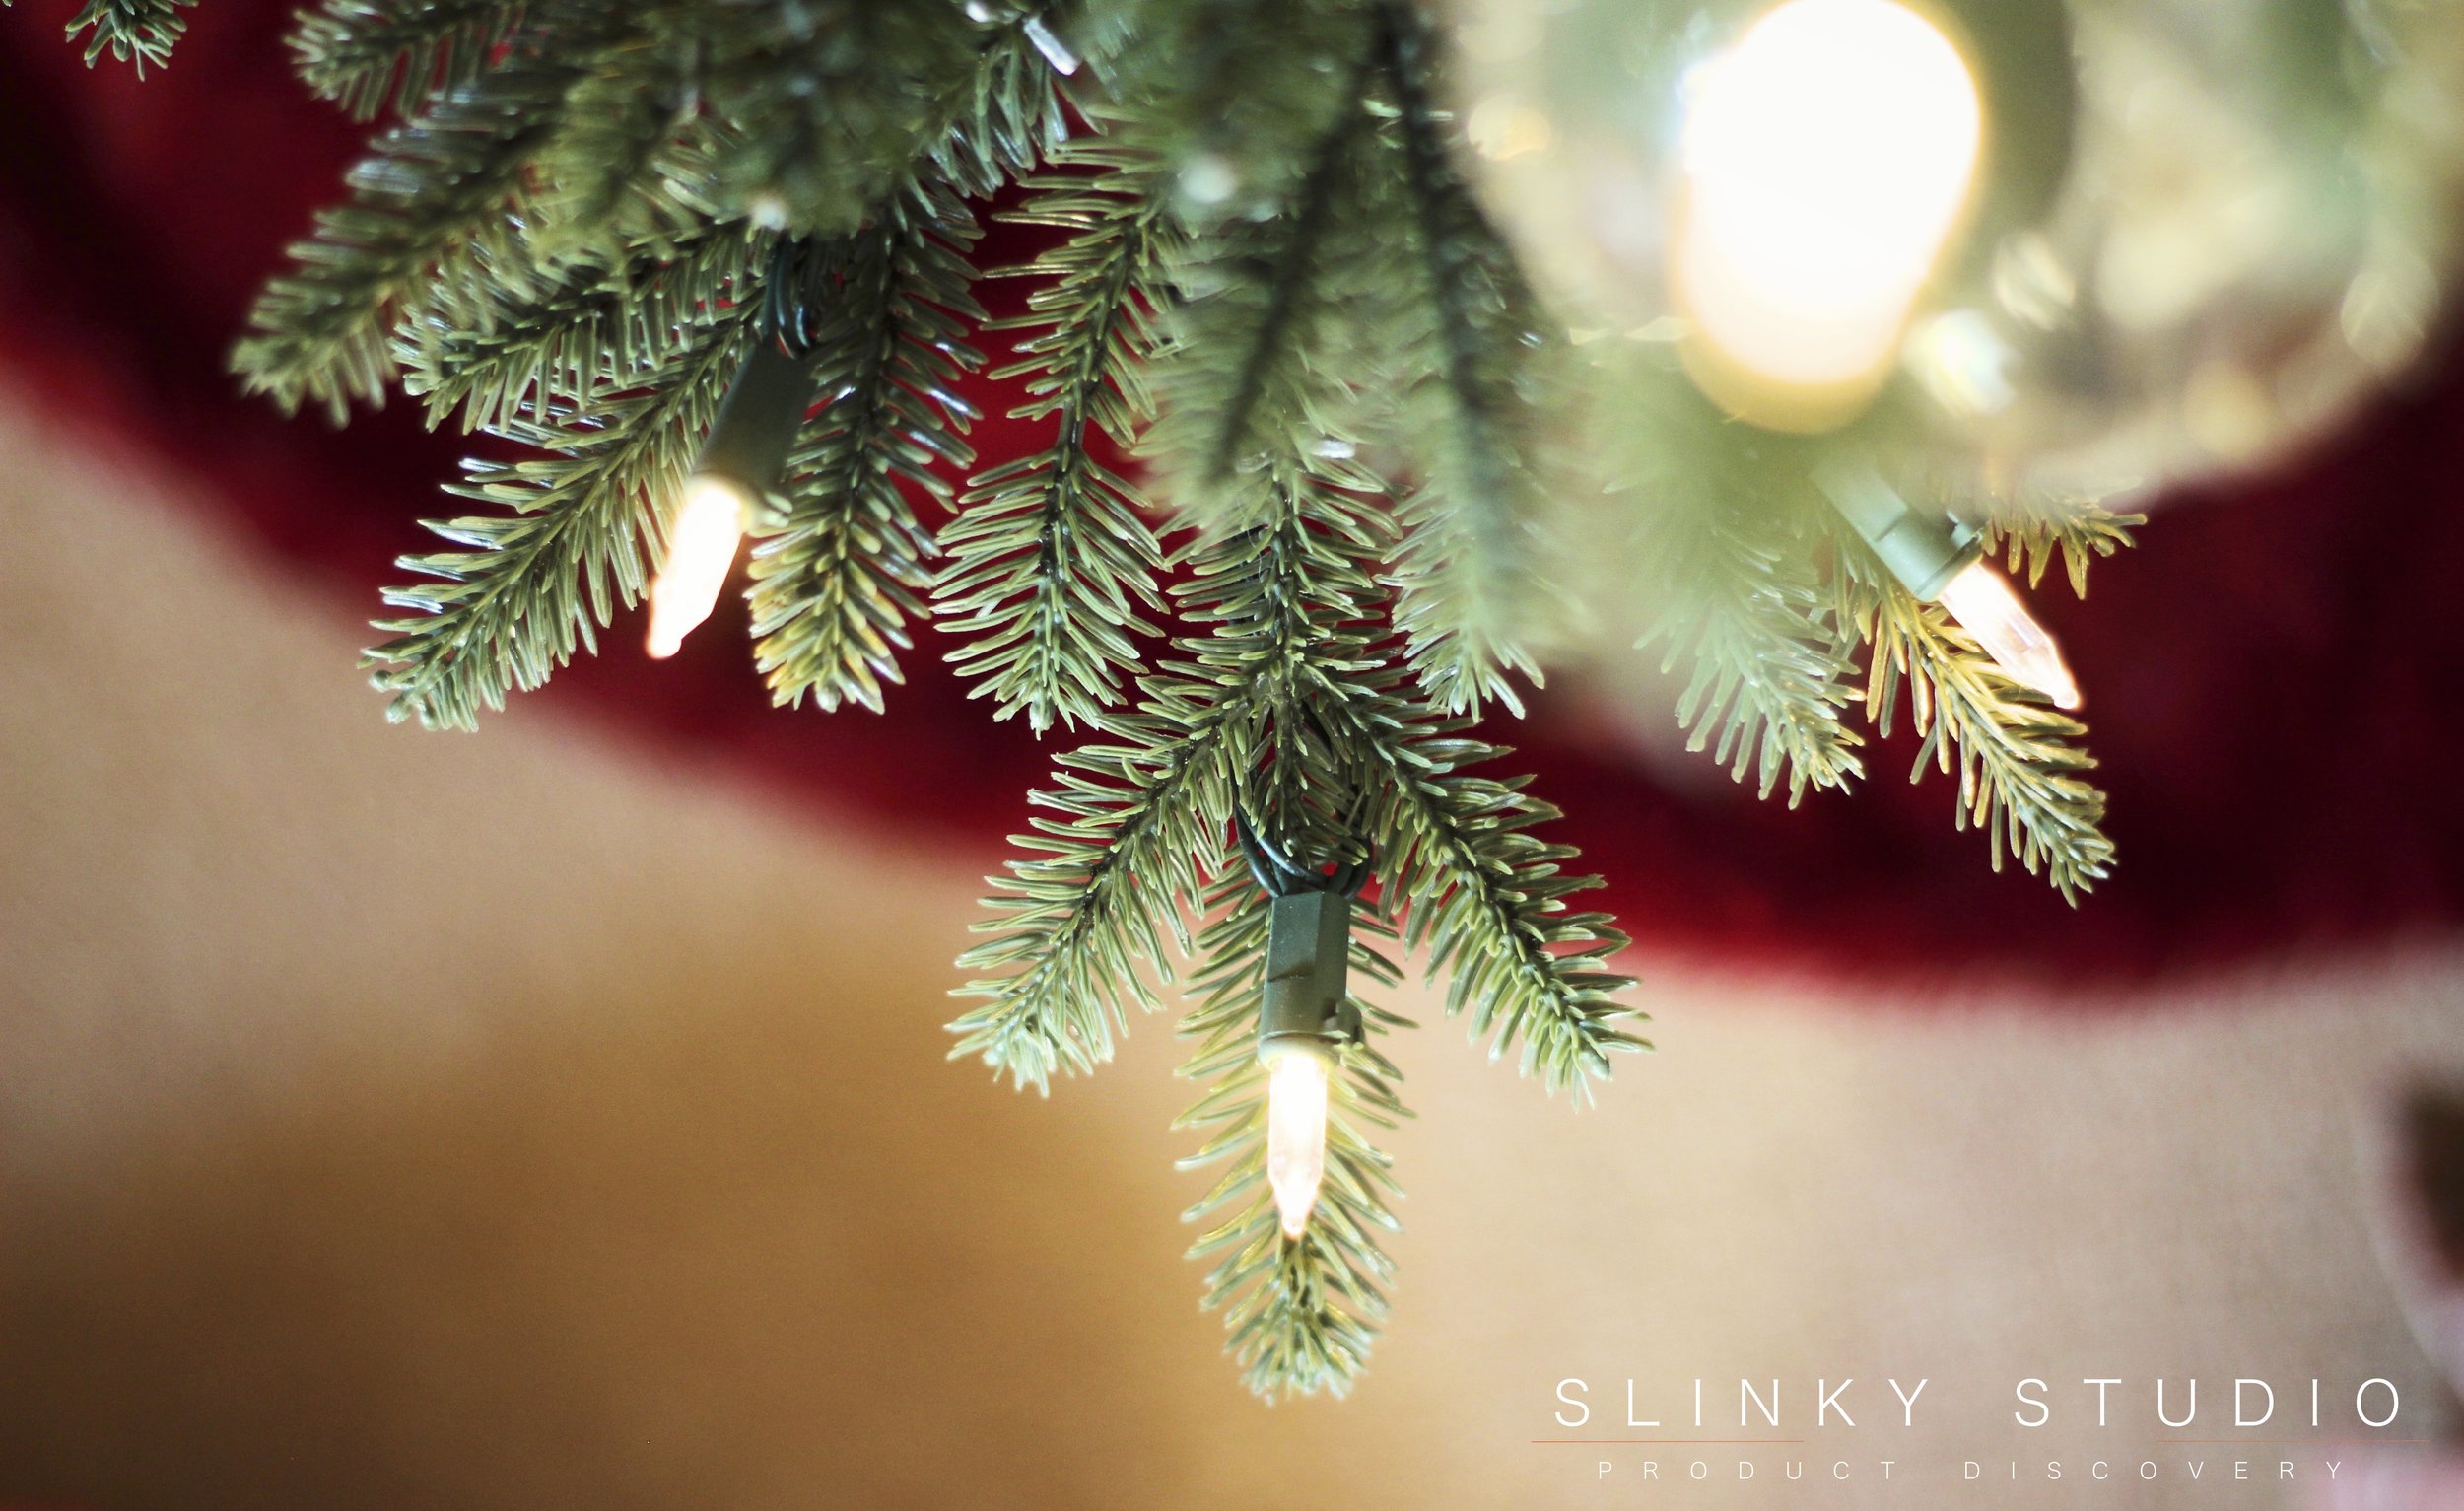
1980	599
1826	161
1296	1101
701	550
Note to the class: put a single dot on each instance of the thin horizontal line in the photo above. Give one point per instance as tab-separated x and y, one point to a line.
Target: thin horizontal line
1735	1440
2313	1440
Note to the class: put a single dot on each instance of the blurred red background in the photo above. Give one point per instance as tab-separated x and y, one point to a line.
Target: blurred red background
2272	676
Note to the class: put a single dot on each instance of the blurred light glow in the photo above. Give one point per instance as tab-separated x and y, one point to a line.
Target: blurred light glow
1296	1104
1826	159
1982	600
701	551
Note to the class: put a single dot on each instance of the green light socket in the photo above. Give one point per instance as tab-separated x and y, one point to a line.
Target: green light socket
1308	964
756	424
1924	551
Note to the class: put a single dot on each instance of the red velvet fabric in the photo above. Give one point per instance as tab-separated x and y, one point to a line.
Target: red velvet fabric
2273	677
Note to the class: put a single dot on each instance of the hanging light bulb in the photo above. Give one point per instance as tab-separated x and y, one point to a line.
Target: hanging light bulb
1306	1015
1942	563
701	549
1298	1075
1826	160
740	463
1983	600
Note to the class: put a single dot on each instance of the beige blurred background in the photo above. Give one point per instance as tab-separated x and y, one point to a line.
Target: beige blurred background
395	1120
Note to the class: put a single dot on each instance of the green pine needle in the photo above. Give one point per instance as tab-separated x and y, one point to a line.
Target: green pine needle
141	29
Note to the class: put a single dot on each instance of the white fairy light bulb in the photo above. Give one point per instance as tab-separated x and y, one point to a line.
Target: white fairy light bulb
701	551
1985	603
1826	159
1297	1077
1946	565
741	460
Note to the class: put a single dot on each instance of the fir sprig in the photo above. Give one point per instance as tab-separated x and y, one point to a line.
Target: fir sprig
1274	614
1487	899
371	56
141	29
540	341
2018	775
832	101
842	568
1275	285
1744	611
1469	343
2032	527
1235	99
1259	322
534	582
431	187
1051	569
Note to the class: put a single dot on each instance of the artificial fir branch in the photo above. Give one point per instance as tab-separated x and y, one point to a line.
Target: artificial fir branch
1468	571
1260	322
369	55
534	583
1486	898
1235	99
1742	609
832	101
141	29
1144	814
842	570
1005	115
433	185
1082	918
2020	780
2031	527
1302	1314
1049	562
1271	256
604	180
540	342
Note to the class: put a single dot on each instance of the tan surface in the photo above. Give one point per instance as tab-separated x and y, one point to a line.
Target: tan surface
650	1187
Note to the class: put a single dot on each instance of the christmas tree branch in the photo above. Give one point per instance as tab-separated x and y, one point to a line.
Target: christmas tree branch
1239	382
2031	527
143	30
1050	561
532	585
367	55
838	574
832	103
2018	778
1145	816
537	342
432	186
1467	571
631	160
1075	925
1486	898
1005	116
1740	605
1237	100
